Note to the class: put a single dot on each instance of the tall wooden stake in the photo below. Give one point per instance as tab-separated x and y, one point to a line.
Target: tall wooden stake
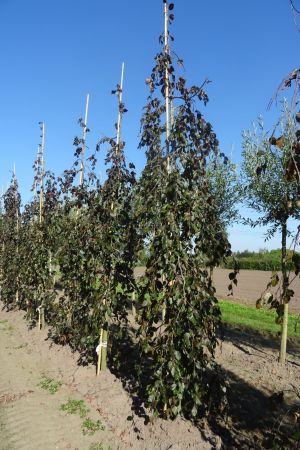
167	79
167	98
120	98
99	352
41	161
102	352
42	171
84	139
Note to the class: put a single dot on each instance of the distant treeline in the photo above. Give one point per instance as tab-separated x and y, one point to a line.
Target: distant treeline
261	260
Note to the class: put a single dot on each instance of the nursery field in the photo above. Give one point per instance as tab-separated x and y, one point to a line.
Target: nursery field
99	354
251	284
48	401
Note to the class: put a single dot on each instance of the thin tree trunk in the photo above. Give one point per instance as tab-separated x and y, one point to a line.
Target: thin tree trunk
284	326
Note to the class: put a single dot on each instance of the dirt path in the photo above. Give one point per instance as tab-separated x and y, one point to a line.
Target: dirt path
30	417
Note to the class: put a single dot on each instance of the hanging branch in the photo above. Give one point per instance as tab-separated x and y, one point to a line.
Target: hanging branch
292	78
295	11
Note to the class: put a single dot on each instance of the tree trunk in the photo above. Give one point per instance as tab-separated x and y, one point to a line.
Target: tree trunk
284	326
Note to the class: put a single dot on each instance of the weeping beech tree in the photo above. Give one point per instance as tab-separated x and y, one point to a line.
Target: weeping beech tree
10	240
118	235
96	252
37	242
179	315
75	319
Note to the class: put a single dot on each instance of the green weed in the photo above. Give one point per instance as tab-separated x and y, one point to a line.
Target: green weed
89	426
98	447
73	406
49	384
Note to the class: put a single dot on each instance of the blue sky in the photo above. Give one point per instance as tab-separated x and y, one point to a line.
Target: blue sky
55	52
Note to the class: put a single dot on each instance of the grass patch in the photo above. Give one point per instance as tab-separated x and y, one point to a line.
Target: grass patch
258	319
75	406
49	384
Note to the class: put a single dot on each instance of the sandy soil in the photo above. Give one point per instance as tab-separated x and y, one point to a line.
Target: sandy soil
30	418
251	284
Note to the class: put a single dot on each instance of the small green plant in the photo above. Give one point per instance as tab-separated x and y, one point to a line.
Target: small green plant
89	426
73	406
98	446
6	326
49	384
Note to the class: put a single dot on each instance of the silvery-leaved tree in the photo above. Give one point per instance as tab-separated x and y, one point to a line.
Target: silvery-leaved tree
226	190
179	315
271	189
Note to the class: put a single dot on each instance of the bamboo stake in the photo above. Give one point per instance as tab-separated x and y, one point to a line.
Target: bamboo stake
42	171
167	98
41	161
104	332
133	304
39	320
99	352
167	80
83	140
120	98
104	349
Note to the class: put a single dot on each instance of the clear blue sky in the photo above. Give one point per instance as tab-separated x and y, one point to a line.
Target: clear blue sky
54	52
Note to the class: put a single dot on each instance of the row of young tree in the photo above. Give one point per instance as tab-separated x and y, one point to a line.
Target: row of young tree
68	256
